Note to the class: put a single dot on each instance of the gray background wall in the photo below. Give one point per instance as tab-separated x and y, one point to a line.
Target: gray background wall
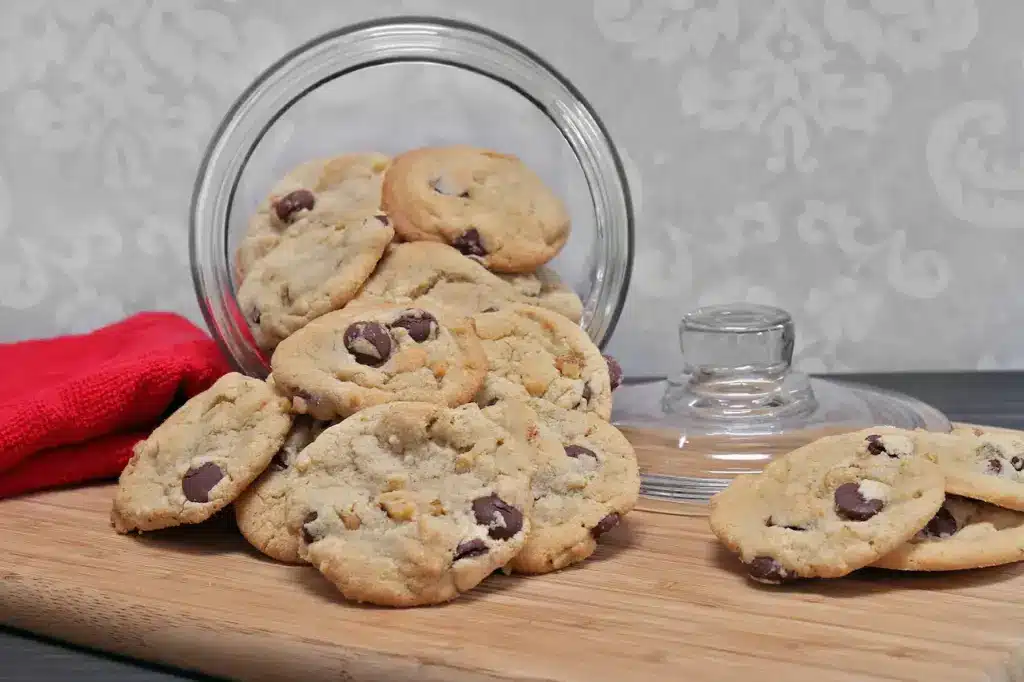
856	162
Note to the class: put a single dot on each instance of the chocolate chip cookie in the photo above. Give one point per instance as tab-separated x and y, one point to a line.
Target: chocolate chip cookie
346	186
548	355
311	272
410	503
981	464
349	360
586	477
202	457
261	511
828	508
434	274
489	206
963	534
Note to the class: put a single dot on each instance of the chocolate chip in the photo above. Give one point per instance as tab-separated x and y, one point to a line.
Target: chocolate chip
306	534
577	451
614	371
421	325
771	522
470	548
851	505
942	525
293	202
1017	462
502	519
279	463
468	243
383	219
765	569
492	402
369	343
586	394
875	446
995	467
605	525
255	316
197	482
492	309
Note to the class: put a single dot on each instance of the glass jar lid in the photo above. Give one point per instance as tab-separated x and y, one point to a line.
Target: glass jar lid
395	84
738	403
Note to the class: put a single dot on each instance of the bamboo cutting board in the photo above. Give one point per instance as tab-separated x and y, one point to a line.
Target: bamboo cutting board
659	601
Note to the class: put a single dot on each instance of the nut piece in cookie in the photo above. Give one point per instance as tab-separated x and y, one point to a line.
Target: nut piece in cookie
585	479
362	356
433	274
547	355
407	504
488	206
311	271
828	508
341	186
202	457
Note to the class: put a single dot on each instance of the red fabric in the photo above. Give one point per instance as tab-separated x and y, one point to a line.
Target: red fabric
71	408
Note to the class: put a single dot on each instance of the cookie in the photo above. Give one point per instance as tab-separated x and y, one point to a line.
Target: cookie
202	457
985	465
349	360
829	507
347	186
261	511
548	355
489	206
410	503
585	479
309	273
543	287
963	534
433	274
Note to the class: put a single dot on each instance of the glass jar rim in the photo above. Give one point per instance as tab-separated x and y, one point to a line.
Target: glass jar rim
389	40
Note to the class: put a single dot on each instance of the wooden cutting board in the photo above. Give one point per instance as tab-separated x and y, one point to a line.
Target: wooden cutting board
659	601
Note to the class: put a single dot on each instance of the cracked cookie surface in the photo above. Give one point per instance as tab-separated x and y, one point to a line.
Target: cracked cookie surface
342	186
410	503
830	507
487	205
310	272
356	358
548	355
202	457
585	481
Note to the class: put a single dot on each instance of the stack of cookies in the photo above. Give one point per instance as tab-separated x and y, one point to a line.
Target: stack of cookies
884	497
426	421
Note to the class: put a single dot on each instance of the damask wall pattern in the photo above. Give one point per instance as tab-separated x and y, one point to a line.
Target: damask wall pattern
857	162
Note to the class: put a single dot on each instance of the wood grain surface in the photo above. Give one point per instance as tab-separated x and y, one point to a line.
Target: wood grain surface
660	601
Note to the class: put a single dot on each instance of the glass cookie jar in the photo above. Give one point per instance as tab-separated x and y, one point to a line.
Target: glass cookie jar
392	85
737	403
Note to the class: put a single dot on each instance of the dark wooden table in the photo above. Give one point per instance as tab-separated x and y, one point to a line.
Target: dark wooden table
992	398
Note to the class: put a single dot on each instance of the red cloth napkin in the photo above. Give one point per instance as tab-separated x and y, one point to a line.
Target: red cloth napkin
72	408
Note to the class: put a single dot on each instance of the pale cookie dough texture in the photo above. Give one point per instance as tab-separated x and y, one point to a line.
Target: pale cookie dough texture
410	504
311	272
963	534
548	355
979	463
202	457
261	511
829	507
489	206
356	358
345	186
586	477
434	274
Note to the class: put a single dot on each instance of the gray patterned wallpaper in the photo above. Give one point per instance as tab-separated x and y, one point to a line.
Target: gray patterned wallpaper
858	162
